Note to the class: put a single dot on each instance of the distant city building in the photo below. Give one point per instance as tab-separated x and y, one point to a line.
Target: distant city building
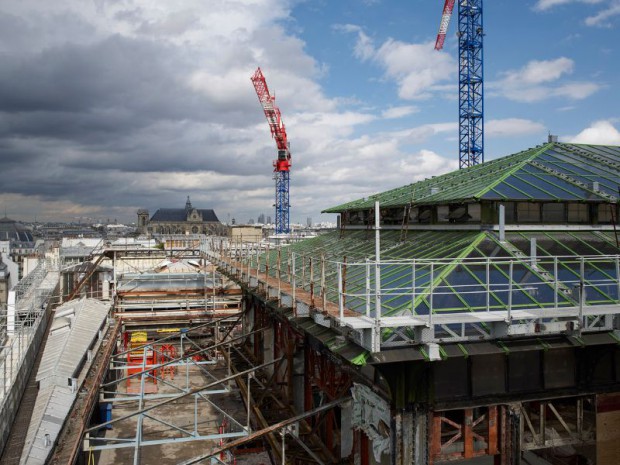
251	221
309	222
16	241
268	220
5	283
188	220
261	218
245	233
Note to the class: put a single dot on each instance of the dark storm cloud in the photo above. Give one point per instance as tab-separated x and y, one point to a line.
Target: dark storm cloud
116	73
74	116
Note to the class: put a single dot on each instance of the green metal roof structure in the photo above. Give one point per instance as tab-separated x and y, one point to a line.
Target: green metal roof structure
548	272
550	172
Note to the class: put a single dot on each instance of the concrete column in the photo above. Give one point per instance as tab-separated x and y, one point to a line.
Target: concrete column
419	447
397	441
407	438
502	223
405	431
346	430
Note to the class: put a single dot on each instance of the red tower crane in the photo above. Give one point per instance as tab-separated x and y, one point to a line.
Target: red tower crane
282	164
448	7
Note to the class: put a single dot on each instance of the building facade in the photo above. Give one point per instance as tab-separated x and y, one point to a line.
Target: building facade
4	283
16	242
188	220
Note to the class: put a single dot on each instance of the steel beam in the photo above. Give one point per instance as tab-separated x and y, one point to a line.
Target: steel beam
264	431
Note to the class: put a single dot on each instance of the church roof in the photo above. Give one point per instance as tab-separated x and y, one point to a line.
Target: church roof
179	215
550	172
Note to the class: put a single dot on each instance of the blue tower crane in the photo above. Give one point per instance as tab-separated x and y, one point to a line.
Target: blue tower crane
471	77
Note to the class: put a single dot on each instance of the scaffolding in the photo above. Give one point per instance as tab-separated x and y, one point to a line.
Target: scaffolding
21	321
145	407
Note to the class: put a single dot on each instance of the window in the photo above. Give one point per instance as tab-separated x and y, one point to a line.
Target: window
355	217
509	212
474	211
425	214
553	213
443	212
578	213
458	213
607	213
528	212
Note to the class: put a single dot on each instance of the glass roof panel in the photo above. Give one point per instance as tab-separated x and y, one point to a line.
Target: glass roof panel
504	191
558	187
528	188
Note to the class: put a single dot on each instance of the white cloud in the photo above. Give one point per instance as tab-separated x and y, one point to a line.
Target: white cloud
399	112
600	133
364	46
538	80
422	133
602	17
417	68
510	127
542	5
537	72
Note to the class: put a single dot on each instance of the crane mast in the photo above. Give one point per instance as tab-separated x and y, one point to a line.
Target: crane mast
471	77
282	165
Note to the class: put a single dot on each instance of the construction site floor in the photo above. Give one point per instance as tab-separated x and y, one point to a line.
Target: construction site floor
181	414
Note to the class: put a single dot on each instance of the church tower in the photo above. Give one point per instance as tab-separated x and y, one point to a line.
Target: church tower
143	220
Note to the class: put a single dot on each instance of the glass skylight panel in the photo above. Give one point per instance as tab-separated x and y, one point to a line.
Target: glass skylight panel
446	300
504	191
558	187
585	172
592	245
526	186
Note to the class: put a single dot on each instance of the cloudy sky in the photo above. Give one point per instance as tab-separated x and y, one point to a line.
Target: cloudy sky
107	106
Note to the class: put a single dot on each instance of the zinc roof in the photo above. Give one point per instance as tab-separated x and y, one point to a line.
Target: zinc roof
550	172
70	338
73	331
51	408
180	215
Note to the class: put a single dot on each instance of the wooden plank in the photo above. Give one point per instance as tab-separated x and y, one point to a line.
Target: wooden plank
493	430
468	436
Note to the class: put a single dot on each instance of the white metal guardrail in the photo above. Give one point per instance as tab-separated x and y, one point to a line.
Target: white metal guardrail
19	325
466	299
